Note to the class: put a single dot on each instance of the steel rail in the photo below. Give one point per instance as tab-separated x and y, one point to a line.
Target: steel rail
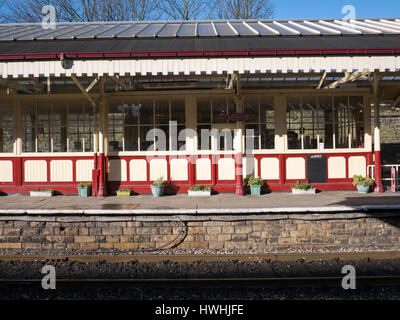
388	281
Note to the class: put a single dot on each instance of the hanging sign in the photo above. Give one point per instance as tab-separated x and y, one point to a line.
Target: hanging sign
393	179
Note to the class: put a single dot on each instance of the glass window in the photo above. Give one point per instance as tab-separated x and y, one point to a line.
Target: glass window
203	110
356	115
325	122
59	125
162	112
294	123
146	108
341	122
220	111
115	127
29	127
178	111
75	126
267	124
7	127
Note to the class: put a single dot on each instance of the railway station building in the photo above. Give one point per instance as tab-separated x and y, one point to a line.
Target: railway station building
285	101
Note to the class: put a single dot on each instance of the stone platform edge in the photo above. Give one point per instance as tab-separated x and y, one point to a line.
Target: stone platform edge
234	211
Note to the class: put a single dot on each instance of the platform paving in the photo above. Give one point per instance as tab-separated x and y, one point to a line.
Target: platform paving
332	201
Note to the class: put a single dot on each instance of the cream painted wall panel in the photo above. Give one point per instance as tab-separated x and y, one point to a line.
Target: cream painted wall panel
158	168
138	170
226	169
249	170
270	168
117	170
203	169
295	168
35	171
61	170
337	168
84	170
6	171
357	165
179	169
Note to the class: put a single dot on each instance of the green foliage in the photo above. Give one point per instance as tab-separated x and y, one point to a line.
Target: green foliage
124	190
359	180
302	186
159	182
252	181
84	185
44	190
200	188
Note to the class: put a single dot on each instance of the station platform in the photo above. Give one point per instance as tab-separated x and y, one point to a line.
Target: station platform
324	202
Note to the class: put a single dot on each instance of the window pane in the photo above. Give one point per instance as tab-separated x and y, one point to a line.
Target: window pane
43	130
162	138
325	122
219	110
131	113
59	127
251	108
342	122
162	111
231	107
294	130
89	125
75	126
178	111
115	127
203	110
181	143
255	137
267	136
267	110
357	122
145	145
28	127
310	120
131	138
146	112
7	127
204	137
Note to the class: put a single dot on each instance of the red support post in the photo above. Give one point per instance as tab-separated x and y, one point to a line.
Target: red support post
102	192
239	174
191	176
378	173
17	171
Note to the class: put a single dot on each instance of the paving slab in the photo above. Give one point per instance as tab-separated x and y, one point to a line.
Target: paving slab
332	201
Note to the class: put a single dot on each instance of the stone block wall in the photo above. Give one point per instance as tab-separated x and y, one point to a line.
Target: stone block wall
268	232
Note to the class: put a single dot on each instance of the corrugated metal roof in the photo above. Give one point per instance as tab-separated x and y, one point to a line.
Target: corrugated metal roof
174	29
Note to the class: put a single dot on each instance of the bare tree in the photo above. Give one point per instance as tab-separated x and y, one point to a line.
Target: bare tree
81	10
243	9
185	9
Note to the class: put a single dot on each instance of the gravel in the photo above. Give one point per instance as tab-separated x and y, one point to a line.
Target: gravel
66	269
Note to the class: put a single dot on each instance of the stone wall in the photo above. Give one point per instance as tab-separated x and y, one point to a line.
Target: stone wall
264	232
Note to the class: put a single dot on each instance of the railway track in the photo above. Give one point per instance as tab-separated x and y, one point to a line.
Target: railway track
300	282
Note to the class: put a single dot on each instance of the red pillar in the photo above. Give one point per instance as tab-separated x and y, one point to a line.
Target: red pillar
239	174
17	171
191	168
102	192
378	172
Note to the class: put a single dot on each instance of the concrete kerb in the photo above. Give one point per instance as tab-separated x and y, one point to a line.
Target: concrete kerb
216	211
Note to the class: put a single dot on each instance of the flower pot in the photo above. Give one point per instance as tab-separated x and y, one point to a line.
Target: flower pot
300	191
157	191
123	193
363	189
85	192
255	190
41	193
202	193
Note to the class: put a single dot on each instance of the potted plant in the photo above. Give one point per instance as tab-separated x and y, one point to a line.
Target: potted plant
85	189
363	184
157	188
255	185
199	191
124	192
303	188
41	193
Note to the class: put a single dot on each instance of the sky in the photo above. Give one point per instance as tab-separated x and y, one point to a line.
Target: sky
298	9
